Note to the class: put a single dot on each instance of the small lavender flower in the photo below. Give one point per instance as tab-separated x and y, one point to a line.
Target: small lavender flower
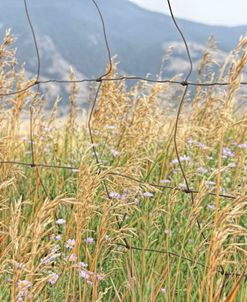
53	278
19	265
191	141
243	146
185	158
89	282
100	277
115	195
89	240
165	181
125	194
83	264
211	206
210	183
182	186
84	274
75	170
228	153
58	237
70	243
202	170
49	259
163	290
72	257
114	152
60	221
148	194
174	161
182	158
23	285
48	129
21	296
202	145
55	249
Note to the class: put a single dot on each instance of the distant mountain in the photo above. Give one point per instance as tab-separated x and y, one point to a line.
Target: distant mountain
69	33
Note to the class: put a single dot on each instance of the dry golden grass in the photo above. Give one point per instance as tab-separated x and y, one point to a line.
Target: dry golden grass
41	255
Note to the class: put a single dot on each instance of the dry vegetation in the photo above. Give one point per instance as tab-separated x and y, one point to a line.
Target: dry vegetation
63	238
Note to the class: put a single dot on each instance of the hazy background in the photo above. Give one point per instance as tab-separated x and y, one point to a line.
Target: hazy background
214	12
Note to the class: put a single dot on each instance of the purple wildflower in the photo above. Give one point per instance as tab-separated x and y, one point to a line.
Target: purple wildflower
23	285
53	278
243	146
202	145
114	152
182	186
50	258
89	240
60	221
125	194
182	158
185	158
72	257
114	195
55	249
58	237
100	277
84	274
191	141
228	153
165	181
163	290
70	243
211	206
19	265
148	194
202	170
89	282
83	264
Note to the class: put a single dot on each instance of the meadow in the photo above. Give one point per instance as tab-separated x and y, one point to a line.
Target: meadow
116	222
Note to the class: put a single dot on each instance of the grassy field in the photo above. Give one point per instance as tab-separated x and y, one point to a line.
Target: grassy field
104	232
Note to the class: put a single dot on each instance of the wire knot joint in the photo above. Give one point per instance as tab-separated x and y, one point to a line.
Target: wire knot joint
184	83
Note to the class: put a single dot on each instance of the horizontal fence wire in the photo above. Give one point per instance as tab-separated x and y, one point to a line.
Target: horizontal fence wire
102	78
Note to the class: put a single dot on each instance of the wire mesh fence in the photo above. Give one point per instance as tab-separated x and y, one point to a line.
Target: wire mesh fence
186	83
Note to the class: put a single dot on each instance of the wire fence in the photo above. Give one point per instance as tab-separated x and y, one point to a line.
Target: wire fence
186	83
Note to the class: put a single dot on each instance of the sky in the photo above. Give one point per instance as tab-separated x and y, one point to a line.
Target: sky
213	12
